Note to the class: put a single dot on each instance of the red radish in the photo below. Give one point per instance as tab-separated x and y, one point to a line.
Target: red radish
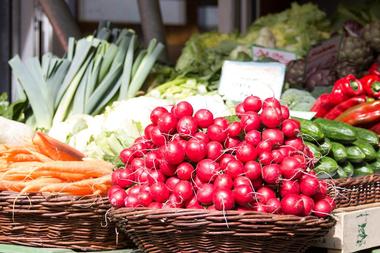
252	170
155	205
273	205
266	158
222	122
214	150
285	151
223	181
295	144
331	201
290	168
135	190
234	129
156	176
223	199
204	118
292	204
196	150
243	195
241	180
126	155
246	152
322	208
144	198
272	103
206	170
225	159
212	207
239	110
200	136
308	205
159	192
167	123
174	153
253	137
148	130
173	202
277	156
264	146
322	190
131	201
123	177
289	187
270	117
183	109
275	135
185	171
139	149
114	188
152	159
197	183
285	112
187	126
143	176
137	163
183	190
250	122
193	204
167	169
156	113
309	185
158	138
205	194
216	133
144	188
257	184
271	173
117	198
264	194
290	128
259	207
182	142
234	168
252	103
171	182
232	142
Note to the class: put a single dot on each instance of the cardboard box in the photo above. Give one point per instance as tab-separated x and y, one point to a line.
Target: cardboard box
354	230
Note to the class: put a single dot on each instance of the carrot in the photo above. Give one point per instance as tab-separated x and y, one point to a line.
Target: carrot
37	184
92	168
6	185
55	149
22	158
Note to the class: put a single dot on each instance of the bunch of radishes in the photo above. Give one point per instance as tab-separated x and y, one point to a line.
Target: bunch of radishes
193	160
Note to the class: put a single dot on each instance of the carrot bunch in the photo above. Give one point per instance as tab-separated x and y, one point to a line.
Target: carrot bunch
54	167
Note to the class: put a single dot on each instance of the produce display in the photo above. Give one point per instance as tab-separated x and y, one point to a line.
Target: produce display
252	161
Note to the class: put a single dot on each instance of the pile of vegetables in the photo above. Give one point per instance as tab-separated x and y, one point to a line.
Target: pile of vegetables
95	71
190	159
341	150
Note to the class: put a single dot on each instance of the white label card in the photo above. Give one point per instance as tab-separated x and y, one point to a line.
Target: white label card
241	79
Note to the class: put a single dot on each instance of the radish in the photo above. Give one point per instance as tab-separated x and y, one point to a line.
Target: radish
290	128
171	182
131	201
234	168
137	163
200	136
214	150
295	144
193	204
292	204
156	113
259	207
114	188
285	112
183	190
197	183
223	181
167	169
225	159
222	122
143	176
252	170
264	146
239	110
116	198
173	202
241	180
185	171
275	135
196	150
290	168
205	194
206	170
139	149
271	173
272	103
278	157
257	184
270	117
264	194
216	133
167	123
126	155
243	194
309	185
308	205
158	138
123	177
246	152
148	130
252	103
174	153
144	198
182	142
289	187
183	109
322	208
273	205
152	159
159	192
223	199
285	151
266	158
253	137
156	176
234	129
250	122
322	190
135	190
204	118
212	207
155	205
231	142
187	126
331	201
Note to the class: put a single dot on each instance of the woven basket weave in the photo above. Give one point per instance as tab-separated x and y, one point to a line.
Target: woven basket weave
193	230
355	191
54	220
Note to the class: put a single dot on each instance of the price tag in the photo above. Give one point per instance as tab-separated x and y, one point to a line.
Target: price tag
263	53
241	79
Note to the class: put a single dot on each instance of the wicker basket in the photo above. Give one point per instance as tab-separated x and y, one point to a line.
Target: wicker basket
58	221
356	191
193	230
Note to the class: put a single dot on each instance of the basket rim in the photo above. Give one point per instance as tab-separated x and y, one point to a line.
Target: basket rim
356	180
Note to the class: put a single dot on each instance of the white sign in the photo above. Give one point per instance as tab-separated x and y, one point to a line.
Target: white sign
281	56
241	79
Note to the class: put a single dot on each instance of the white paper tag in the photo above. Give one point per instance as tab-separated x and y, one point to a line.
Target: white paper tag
302	114
241	79
281	56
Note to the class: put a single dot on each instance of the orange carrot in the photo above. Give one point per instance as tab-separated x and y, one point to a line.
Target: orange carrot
92	168
37	184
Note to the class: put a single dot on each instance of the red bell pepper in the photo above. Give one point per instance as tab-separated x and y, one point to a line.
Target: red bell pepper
371	84
337	95
322	105
374	69
350	86
343	106
361	114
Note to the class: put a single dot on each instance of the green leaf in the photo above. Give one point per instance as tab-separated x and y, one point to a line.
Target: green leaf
126	76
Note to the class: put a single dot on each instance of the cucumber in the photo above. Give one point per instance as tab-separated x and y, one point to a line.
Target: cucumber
336	130
325	147
376	165
314	149
327	166
348	169
367	149
341	173
310	131
364	170
366	135
339	152
378	154
355	154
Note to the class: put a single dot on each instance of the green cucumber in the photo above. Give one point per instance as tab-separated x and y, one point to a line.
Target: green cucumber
336	130
310	131
314	149
368	150
348	169
341	173
326	168
355	154
364	170
339	152
376	165
366	135
326	146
